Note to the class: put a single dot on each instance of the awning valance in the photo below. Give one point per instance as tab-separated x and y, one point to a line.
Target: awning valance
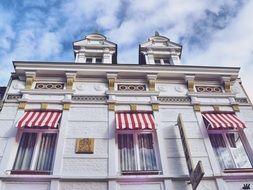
223	120
135	121
39	119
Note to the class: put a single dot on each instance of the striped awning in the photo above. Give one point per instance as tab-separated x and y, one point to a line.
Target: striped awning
40	119
134	121
223	120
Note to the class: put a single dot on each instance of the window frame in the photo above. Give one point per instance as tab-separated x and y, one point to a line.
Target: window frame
244	142
160	60
35	155
135	134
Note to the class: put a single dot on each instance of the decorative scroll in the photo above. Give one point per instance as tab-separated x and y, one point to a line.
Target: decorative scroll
14	96
209	89
89	98
131	87
242	100
174	99
49	86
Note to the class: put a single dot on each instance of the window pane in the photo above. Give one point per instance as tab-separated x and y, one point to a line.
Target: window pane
88	60
240	156
166	61
25	151
46	152
126	149
146	152
222	152
99	60
157	61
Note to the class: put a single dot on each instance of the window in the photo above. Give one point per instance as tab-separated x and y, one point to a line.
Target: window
35	152
137	146
162	60
229	149
225	132
137	152
37	144
99	60
88	60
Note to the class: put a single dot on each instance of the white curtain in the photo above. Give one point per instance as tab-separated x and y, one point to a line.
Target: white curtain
25	151
46	152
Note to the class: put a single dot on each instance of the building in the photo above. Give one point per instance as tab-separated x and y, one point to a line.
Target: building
94	124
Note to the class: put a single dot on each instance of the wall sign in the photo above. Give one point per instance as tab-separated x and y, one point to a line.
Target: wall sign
84	146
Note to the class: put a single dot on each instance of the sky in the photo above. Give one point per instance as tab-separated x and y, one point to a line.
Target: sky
212	32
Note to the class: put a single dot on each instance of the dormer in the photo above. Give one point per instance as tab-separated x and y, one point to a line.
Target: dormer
159	50
94	48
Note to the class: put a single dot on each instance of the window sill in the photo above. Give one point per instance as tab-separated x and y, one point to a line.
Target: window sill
150	172
30	172
239	170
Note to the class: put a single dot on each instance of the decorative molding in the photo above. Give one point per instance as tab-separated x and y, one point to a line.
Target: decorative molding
209	89
111	83
190	85
155	107
22	105
131	87
30	76
196	107
49	86
14	96
133	107
66	106
227	86
151	85
236	108
84	146
43	106
216	108
71	77
89	98
242	100
111	107
170	99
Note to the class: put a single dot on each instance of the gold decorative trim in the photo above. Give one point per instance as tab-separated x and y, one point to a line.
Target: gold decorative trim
111	83
84	146
155	107
216	108
43	106
190	85
29	82
196	107
66	106
151	85
133	107
22	105
111	106
70	82
236	108
227	86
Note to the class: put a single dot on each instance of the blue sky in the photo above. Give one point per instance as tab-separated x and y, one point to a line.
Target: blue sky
212	32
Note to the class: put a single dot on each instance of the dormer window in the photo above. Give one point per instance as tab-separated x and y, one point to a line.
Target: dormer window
99	60
162	60
88	60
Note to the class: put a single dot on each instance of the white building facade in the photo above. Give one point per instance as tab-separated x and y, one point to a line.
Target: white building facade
94	124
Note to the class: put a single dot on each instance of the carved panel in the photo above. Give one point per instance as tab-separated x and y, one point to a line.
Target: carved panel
85	145
209	89
131	87
49	86
242	100
174	99
89	98
14	96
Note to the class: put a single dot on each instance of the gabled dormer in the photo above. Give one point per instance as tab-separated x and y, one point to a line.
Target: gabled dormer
159	50
94	48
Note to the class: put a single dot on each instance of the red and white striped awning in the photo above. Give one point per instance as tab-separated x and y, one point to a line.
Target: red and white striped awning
223	120
40	119
135	121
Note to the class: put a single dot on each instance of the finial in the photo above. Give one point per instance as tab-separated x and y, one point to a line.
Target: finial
157	33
